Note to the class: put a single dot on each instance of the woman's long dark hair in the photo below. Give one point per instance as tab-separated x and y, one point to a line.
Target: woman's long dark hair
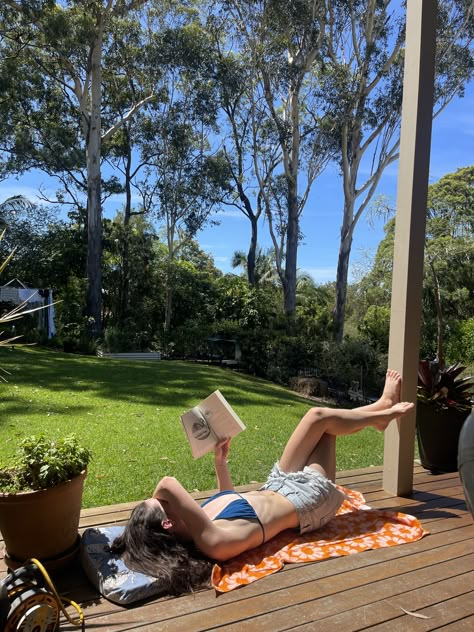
146	547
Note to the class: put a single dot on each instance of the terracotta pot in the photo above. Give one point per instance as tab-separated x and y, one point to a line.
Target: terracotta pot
438	433
42	524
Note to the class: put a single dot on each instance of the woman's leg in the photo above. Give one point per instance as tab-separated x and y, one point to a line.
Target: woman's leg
390	395
323	457
308	444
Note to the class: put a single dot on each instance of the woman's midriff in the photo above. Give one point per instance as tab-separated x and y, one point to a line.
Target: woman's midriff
275	511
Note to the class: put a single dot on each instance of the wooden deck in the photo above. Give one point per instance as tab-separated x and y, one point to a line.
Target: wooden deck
433	577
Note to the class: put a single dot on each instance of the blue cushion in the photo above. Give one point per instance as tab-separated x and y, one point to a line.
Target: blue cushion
109	574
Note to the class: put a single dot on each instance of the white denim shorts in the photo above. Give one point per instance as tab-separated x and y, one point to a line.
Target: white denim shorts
316	499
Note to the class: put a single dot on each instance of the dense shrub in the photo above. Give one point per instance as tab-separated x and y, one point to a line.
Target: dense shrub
375	326
189	340
117	340
287	355
71	323
461	347
352	361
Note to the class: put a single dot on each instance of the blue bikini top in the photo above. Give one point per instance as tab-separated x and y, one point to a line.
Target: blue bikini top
239	508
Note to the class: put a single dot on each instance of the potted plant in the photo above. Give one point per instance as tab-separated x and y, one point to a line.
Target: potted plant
444	401
40	501
41	492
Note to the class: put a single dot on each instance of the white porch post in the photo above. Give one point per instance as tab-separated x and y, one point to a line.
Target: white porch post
415	142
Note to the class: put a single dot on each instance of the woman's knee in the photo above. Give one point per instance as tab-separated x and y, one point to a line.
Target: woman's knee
317	415
318	468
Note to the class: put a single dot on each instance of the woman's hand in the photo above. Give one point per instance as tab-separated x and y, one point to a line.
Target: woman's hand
221	451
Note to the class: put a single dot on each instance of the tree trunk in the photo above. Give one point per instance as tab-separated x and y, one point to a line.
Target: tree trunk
169	283
94	208
125	277
239	178
343	273
168	308
439	316
291	172
252	251
128	184
289	287
341	288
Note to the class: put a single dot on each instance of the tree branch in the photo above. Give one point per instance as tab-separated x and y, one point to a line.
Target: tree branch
127	116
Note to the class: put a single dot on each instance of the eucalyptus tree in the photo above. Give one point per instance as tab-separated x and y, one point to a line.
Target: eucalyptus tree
233	87
129	73
185	175
145	51
244	129
284	41
56	102
362	82
186	183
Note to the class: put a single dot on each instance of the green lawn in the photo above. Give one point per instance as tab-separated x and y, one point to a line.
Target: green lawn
127	413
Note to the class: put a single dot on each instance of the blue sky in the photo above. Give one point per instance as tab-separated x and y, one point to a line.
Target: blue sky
452	147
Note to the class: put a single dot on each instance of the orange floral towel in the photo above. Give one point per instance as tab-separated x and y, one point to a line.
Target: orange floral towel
355	528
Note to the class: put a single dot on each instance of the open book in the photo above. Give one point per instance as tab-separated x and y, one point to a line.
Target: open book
209	422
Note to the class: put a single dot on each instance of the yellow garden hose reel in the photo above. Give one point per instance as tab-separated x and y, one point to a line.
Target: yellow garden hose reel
29	601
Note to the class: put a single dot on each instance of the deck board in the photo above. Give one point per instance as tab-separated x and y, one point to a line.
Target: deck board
433	577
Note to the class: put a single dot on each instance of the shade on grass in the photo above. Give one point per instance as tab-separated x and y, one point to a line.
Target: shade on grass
128	413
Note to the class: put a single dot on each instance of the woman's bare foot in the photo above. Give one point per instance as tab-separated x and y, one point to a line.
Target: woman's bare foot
400	409
394	412
391	391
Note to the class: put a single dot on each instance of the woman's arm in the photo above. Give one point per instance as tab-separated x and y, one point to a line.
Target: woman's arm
215	542
182	507
221	451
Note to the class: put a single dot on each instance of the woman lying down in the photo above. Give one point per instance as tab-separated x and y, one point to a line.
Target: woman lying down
171	537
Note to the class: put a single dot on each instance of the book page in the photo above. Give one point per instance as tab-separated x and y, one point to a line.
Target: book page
220	416
200	435
208	422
